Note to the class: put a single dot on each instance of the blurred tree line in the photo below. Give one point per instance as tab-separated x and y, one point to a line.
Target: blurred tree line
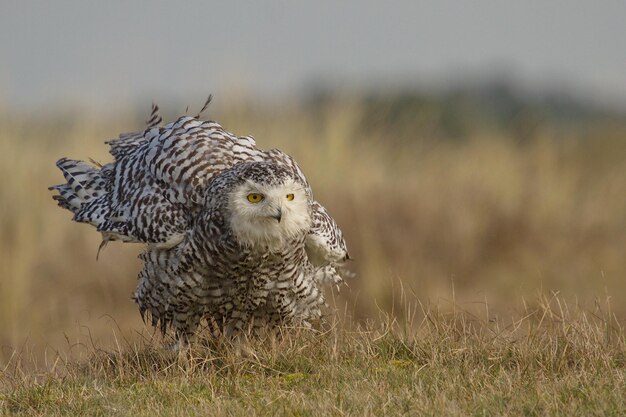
469	110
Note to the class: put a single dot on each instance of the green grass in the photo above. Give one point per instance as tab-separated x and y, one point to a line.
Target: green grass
551	361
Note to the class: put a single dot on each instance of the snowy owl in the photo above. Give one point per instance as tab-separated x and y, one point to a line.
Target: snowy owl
233	235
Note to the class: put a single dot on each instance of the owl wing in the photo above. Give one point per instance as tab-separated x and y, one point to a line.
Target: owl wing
171	172
325	243
156	183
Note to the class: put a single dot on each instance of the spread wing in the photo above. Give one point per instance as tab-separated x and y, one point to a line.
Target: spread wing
158	185
155	186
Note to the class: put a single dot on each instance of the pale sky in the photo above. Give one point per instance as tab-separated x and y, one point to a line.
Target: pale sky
111	53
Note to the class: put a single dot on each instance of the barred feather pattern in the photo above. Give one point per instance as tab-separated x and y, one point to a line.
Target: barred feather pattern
229	285
170	187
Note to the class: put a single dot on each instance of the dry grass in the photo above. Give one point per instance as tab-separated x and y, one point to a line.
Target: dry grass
555	360
488	221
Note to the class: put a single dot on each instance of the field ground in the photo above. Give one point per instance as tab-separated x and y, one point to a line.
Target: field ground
523	227
552	361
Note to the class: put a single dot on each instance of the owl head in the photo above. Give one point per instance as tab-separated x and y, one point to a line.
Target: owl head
268	207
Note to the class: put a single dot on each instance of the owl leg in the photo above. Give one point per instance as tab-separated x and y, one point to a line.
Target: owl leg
180	345
236	323
185	326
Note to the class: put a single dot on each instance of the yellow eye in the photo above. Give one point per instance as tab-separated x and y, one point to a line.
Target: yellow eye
289	197
255	197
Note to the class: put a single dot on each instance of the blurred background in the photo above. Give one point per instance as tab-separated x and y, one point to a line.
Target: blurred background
471	151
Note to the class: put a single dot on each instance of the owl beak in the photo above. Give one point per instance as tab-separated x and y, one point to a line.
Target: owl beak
278	215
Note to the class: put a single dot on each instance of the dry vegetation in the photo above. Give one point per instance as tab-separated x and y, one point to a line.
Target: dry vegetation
553	361
459	247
